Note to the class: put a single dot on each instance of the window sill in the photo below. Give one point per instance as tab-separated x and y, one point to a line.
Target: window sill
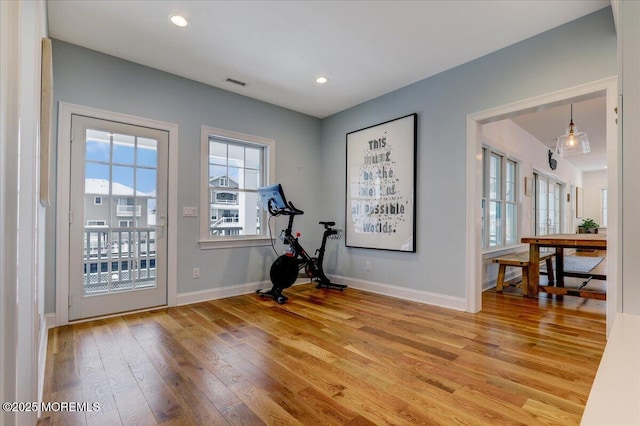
499	251
226	243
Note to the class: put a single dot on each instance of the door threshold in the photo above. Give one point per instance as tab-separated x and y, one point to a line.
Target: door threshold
119	314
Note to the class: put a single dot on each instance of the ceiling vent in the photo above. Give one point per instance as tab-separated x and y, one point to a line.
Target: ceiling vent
234	81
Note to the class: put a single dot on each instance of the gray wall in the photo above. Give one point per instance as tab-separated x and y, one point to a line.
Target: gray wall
89	78
578	52
310	151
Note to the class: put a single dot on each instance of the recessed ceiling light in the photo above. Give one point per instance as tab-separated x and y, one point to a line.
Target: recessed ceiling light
179	20
321	80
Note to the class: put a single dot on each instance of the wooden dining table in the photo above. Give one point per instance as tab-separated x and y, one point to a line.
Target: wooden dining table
559	242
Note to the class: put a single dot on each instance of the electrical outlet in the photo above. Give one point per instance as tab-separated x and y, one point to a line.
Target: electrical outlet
367	266
196	273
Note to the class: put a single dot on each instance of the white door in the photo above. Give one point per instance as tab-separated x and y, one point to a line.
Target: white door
118	205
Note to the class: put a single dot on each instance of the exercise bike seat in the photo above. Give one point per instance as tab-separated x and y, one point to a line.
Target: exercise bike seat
327	224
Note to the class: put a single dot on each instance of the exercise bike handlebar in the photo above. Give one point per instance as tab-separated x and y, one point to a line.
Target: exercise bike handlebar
289	210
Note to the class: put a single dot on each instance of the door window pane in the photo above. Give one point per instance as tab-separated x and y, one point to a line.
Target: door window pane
122	169
147	152
146	181
122	183
98	146
99	172
123	149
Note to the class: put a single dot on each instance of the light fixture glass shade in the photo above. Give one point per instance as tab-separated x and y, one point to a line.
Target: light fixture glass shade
573	142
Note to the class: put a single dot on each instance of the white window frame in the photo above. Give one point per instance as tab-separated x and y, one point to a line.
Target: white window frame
207	241
489	150
97	200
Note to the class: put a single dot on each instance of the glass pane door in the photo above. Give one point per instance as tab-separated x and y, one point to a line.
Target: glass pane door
118	206
548	208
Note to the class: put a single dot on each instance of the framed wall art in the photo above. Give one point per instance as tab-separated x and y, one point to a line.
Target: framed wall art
528	186
381	186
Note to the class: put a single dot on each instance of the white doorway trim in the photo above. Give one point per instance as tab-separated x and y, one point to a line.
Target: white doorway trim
607	87
65	111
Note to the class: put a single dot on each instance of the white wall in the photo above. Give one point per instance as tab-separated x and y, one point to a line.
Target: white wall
515	141
9	131
22	26
511	139
538	66
629	54
89	78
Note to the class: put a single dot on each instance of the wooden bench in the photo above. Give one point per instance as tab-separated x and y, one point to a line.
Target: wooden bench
521	260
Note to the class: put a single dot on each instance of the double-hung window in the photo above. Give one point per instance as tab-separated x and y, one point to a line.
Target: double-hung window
499	199
604	210
234	166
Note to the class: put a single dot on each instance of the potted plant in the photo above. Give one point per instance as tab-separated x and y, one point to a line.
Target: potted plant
589	226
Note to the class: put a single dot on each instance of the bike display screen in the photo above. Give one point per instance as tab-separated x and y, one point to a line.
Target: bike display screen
273	193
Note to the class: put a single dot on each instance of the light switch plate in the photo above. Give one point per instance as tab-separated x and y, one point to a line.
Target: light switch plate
189	211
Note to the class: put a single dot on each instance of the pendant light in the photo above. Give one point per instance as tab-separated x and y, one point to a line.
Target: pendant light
572	142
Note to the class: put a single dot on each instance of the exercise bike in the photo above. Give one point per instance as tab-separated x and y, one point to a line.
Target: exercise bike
287	267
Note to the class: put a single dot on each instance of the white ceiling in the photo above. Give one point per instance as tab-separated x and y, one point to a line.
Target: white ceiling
365	48
589	116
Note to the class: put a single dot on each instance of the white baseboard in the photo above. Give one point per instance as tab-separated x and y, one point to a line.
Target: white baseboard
221	293
48	322
441	300
444	301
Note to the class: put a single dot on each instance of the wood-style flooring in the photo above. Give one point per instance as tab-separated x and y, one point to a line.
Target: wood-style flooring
331	358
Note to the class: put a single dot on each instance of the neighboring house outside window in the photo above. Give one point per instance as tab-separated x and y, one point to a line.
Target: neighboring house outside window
234	167
499	199
96	223
118	208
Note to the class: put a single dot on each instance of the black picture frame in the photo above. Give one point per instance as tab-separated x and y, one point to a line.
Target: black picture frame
380	205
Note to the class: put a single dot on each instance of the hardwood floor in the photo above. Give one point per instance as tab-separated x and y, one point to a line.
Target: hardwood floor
325	357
